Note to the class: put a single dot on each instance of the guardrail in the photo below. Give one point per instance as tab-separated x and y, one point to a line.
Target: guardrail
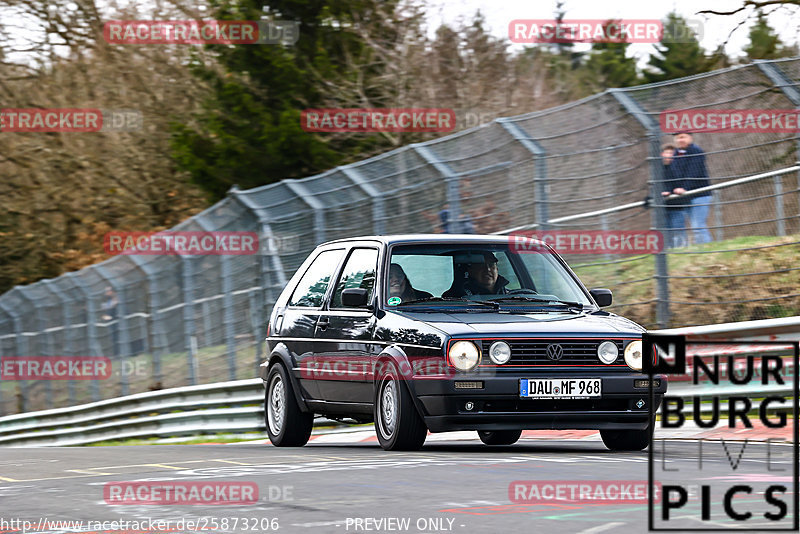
237	406
190	410
784	329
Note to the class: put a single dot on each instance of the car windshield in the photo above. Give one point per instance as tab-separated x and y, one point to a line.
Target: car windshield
451	274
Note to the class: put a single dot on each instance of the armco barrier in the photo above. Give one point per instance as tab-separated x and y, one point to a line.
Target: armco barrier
237	406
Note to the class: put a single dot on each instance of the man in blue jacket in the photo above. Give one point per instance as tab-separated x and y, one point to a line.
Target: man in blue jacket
690	165
676	208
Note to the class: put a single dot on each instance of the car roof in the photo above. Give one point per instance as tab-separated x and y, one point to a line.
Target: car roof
431	238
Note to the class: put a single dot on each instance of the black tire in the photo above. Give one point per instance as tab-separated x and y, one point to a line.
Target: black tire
499	437
397	423
287	425
626	440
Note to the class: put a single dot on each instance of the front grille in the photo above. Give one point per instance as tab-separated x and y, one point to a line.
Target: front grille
575	352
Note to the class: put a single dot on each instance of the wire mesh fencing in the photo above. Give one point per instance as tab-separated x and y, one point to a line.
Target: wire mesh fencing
166	321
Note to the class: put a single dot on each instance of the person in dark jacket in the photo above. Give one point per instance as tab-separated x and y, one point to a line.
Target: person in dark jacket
690	165
676	208
400	285
482	279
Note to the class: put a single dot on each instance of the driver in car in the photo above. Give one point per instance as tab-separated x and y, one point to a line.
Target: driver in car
482	279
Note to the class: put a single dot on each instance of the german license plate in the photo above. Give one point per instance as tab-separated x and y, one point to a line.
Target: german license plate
560	388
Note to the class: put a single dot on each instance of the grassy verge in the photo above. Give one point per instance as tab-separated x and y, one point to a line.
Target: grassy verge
740	279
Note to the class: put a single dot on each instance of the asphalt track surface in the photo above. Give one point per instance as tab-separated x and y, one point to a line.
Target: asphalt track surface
451	485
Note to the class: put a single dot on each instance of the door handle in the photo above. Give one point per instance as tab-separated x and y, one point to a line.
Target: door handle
323	323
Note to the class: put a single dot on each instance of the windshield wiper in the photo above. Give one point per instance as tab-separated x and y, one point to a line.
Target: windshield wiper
543	301
493	305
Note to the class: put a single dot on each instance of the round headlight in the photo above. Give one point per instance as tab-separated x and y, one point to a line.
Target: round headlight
607	352
464	355
633	355
500	352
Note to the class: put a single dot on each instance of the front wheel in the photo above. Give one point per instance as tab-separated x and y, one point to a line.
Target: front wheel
287	424
397	423
626	440
499	437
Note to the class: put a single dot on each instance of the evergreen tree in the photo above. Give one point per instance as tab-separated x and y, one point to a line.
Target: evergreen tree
249	133
678	54
609	66
764	42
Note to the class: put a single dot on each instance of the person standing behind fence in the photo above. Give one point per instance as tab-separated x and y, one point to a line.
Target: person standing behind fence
690	165
676	209
109	313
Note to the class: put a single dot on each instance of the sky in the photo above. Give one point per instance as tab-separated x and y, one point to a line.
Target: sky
716	29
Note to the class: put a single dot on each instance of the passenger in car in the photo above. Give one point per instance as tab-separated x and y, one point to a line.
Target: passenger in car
480	279
400	285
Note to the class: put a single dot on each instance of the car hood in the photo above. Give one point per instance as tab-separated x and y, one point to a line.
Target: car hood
536	324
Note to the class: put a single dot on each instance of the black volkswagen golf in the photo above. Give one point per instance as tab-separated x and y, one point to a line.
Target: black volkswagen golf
437	333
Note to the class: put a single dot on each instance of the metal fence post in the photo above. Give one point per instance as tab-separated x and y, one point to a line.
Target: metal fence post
791	91
91	332
540	182
378	207
257	325
67	326
187	291
208	338
316	206
157	332
779	219
717	199
659	213
227	314
123	344
44	342
268	254
228	319
3	410
451	181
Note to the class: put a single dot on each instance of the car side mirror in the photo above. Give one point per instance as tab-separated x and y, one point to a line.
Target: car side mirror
355	297
601	296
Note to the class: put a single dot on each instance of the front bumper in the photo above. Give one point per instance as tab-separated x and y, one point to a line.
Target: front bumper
498	406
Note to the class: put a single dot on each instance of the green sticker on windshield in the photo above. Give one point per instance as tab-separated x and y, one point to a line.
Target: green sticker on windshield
394	301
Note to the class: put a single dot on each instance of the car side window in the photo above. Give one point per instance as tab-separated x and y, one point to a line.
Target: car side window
311	288
359	272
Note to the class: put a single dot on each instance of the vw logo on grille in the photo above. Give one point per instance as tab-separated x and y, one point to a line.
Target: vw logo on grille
555	352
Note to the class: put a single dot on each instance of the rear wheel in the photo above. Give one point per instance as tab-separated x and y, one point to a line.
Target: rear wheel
499	437
397	423
626	440
287	424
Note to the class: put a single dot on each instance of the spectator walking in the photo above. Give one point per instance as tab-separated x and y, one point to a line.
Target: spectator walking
690	166
676	208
